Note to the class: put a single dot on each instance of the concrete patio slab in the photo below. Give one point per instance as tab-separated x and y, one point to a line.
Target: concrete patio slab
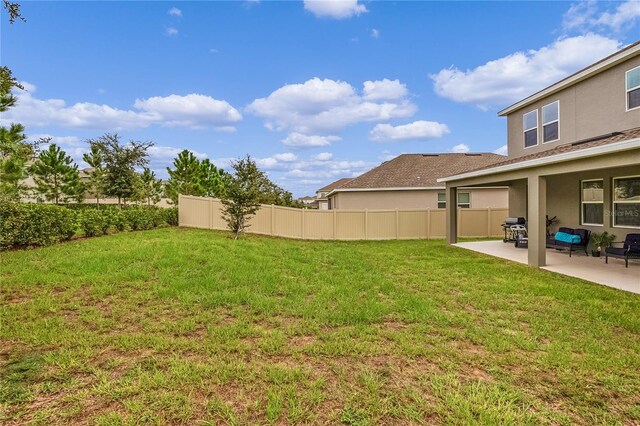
578	265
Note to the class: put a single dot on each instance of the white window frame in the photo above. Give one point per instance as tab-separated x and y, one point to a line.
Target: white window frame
438	200
626	91
614	202
583	202
551	122
525	130
458	200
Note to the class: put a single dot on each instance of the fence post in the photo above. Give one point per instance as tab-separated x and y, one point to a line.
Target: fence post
428	224
488	221
397	225
366	224
273	219
302	224
210	212
335	225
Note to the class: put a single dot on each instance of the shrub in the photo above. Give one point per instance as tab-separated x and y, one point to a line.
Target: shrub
94	222
170	216
28	224
138	218
25	224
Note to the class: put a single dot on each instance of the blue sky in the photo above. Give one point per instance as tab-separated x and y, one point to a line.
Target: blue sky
314	91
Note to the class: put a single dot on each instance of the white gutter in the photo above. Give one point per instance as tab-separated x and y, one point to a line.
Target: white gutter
404	188
396	188
558	158
599	67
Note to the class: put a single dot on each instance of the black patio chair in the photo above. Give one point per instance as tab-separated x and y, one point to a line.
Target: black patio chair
630	249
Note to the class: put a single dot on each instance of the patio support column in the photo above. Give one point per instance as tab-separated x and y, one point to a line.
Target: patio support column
536	220
451	214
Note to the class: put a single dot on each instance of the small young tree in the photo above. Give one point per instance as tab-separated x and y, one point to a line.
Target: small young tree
56	176
242	195
150	187
120	161
96	184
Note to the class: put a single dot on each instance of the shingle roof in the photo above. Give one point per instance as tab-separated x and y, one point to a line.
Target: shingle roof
334	185
420	170
569	147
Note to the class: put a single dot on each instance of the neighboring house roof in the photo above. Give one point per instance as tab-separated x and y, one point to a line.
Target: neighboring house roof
307	198
418	171
599	145
333	185
591	70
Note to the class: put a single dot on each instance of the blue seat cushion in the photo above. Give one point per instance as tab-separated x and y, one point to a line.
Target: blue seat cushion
568	238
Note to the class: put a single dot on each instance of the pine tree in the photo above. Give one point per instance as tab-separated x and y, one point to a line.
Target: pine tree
150	188
96	184
56	176
15	152
213	180
185	178
14	155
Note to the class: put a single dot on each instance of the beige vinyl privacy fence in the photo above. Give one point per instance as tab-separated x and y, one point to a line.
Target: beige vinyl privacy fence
199	212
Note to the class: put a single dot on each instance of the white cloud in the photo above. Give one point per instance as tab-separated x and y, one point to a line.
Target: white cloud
168	153
460	148
29	87
586	16
174	11
171	31
321	106
503	150
375	33
323	156
286	157
72	141
298	140
194	111
212	50
418	130
516	76
336	9
384	90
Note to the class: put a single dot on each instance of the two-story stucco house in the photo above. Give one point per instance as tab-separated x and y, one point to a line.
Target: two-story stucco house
573	152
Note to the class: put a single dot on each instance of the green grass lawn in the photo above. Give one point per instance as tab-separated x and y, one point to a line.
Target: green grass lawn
188	326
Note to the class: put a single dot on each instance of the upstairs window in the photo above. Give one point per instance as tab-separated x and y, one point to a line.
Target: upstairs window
530	126
551	122
633	88
442	200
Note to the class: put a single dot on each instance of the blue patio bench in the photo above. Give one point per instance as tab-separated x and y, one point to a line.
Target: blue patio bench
630	249
570	239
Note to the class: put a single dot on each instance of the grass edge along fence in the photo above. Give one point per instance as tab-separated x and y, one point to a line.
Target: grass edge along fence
307	224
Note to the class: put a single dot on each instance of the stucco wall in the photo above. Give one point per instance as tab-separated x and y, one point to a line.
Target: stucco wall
563	199
593	107
418	199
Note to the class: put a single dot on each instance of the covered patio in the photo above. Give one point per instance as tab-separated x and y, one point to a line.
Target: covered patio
580	266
